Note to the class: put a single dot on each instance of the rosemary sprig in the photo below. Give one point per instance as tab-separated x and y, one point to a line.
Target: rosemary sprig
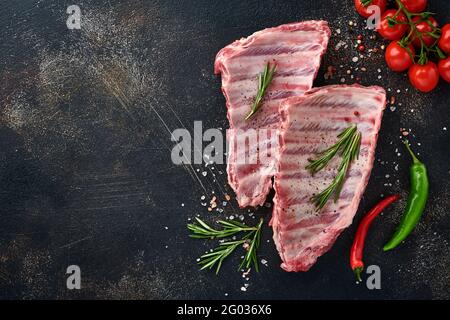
250	241
328	154
230	228
348	147
251	256
264	79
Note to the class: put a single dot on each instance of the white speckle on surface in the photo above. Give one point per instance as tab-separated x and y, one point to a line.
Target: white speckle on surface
339	45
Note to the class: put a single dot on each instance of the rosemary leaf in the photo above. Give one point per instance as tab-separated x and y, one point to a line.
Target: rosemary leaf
348	147
251	239
328	154
264	80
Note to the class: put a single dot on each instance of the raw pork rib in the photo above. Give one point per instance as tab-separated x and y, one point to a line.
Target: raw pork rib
296	49
311	123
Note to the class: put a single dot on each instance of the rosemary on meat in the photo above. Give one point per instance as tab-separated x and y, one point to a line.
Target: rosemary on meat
348	147
264	80
328	154
250	241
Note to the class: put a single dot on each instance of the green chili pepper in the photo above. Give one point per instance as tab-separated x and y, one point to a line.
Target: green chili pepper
416	202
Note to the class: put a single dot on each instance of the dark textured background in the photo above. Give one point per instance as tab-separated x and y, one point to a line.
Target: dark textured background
85	170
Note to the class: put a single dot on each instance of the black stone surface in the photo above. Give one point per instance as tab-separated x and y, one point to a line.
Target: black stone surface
86	176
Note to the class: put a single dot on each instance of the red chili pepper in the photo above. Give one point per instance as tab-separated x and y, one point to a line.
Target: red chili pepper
356	253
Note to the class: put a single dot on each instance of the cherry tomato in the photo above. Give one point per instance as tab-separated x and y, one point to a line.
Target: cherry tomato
424	77
444	41
395	32
363	10
398	58
414	6
444	69
424	27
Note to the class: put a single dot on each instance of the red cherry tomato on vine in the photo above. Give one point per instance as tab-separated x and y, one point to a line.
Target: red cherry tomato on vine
363	10
444	41
424	77
414	6
423	27
444	69
396	31
398	58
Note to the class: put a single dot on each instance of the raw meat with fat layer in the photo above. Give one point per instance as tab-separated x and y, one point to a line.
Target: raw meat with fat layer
296	49
310	124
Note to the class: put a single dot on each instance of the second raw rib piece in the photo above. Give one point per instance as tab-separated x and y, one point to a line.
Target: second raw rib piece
296	49
310	124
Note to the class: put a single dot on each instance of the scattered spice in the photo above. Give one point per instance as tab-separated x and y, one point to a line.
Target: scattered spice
330	72
392	100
